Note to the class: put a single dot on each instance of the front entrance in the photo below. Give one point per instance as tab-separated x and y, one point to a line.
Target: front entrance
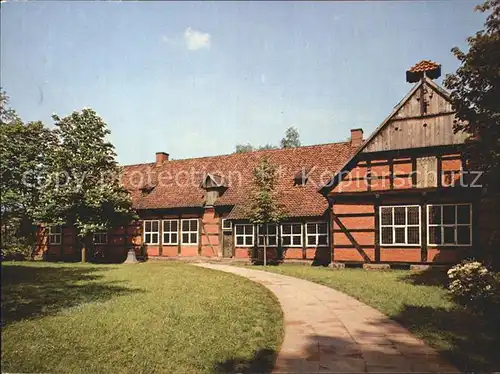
227	244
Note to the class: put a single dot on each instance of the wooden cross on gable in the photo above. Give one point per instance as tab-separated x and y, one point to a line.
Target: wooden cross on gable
424	69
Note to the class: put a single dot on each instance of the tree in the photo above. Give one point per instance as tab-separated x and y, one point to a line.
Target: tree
475	95
243	148
265	207
23	155
83	189
291	139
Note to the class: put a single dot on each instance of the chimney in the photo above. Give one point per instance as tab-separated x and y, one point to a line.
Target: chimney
356	137
161	157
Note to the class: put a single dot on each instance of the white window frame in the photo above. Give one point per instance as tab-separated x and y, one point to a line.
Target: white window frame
244	235
225	221
189	232
259	235
169	233
406	225
292	235
150	232
54	235
97	236
454	225
317	235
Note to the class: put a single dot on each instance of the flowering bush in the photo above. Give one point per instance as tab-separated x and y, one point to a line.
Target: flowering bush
474	286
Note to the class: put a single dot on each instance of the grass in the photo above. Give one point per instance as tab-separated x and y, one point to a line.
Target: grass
420	302
144	318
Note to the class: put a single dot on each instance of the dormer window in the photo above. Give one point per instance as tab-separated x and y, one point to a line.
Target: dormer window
214	186
301	177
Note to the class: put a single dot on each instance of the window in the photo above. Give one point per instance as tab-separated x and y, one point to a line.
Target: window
272	235
316	234
55	235
291	235
189	233
101	237
449	224
244	235
170	231
151	232
400	225
227	225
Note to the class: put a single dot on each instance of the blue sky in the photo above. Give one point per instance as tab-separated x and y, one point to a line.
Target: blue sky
194	79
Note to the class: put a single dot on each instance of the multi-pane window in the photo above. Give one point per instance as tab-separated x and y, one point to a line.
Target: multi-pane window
100	237
449	224
400	225
243	235
189	231
316	234
170	231
291	234
55	235
152	232
271	233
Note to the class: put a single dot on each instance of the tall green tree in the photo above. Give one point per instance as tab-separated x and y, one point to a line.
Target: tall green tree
265	207
83	187
24	149
475	95
291	139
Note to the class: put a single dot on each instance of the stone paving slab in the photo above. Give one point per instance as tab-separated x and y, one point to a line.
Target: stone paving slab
327	331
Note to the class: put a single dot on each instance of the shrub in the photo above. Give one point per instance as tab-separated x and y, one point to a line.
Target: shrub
474	286
16	252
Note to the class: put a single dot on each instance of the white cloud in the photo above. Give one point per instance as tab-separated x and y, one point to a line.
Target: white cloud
196	39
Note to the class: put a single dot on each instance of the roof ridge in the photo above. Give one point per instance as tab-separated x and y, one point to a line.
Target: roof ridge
242	153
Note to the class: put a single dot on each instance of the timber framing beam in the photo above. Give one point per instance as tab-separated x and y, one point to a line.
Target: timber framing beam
346	232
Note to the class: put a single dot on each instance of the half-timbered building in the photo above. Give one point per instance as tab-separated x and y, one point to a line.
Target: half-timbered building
403	195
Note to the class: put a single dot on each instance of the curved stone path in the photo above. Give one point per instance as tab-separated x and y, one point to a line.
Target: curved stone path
328	331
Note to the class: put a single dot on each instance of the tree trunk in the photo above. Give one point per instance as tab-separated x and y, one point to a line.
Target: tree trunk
86	247
265	244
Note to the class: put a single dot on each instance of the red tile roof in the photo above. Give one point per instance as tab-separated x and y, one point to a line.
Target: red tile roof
424	65
177	183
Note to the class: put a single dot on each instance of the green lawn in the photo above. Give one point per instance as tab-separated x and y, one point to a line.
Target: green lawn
144	318
419	301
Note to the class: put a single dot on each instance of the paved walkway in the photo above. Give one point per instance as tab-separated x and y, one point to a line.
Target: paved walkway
328	331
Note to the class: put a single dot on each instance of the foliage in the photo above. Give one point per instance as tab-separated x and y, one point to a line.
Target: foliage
243	148
265	207
474	286
475	95
291	139
84	188
24	149
153	318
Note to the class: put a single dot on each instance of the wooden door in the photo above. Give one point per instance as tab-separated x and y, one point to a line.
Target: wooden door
227	244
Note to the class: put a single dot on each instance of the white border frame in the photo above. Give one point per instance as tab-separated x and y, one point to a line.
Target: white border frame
380	225
236	245
292	235
191	232
151	232
163	232
455	225
317	235
277	236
